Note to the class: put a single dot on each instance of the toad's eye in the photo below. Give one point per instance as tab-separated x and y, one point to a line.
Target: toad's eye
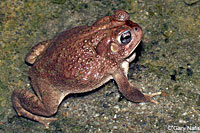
125	37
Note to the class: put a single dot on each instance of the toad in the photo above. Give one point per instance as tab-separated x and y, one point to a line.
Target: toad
79	60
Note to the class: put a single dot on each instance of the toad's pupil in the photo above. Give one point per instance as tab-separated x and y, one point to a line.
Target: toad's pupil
125	37
136	29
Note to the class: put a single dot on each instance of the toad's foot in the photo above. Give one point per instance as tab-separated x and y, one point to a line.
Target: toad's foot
135	95
47	121
148	97
43	120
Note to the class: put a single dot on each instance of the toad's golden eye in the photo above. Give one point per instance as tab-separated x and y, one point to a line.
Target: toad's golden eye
125	37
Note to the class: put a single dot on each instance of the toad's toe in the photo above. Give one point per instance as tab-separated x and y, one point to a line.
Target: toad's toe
149	97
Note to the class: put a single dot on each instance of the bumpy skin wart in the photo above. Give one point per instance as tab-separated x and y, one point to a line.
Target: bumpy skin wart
79	60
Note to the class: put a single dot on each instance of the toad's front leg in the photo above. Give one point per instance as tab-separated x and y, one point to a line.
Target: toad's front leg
129	91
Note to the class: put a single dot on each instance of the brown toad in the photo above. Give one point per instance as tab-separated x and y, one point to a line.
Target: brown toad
80	60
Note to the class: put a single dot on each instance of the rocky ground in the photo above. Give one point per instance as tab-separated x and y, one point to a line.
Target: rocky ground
168	60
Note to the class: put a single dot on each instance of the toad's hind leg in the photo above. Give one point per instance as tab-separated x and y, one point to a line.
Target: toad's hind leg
36	51
27	104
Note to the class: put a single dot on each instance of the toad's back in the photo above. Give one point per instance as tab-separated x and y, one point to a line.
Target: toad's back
71	59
